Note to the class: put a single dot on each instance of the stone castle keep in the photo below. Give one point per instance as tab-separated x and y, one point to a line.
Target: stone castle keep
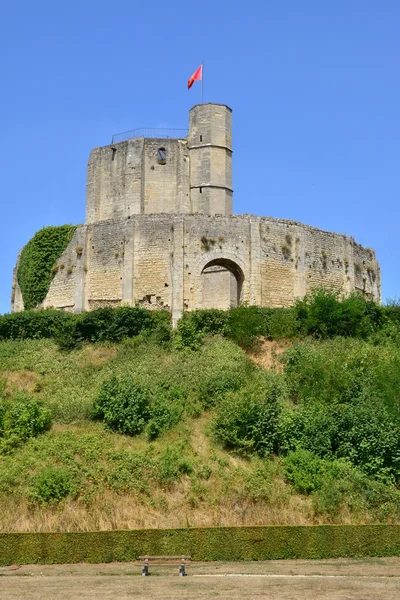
160	233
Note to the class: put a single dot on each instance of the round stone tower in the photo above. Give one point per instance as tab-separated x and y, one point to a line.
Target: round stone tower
210	151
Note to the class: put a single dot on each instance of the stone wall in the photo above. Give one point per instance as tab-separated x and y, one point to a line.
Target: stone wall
165	261
192	175
129	178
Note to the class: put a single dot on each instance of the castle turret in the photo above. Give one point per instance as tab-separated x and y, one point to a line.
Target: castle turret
210	151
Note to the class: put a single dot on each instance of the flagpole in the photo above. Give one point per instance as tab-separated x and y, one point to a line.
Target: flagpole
202	82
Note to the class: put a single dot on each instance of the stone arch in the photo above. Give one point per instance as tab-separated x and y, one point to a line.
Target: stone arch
221	283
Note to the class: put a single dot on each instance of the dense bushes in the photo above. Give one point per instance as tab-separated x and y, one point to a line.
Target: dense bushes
37	260
323	314
103	324
345	403
21	418
326	313
51	485
135	398
336	485
247	420
32	324
122	405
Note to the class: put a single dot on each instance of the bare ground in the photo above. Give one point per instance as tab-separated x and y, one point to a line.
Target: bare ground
341	579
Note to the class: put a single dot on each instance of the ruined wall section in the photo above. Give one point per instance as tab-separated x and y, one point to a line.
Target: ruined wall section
61	294
167	261
367	275
17	302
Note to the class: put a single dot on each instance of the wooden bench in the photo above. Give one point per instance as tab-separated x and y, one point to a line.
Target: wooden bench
164	561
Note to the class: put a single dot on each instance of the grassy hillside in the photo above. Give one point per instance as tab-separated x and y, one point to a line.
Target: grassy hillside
153	432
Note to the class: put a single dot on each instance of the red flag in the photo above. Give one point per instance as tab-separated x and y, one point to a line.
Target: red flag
197	76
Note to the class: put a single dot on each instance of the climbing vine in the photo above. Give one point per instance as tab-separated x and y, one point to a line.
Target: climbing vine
37	260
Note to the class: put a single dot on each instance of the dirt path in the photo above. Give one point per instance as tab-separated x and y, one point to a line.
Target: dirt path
343	579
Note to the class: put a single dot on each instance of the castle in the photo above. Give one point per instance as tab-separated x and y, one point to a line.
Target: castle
160	233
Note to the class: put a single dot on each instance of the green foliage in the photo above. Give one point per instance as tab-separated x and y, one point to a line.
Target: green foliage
123	405
21	418
202	544
345	395
304	470
38	258
325	313
113	324
245	325
341	370
172	464
210	321
167	408
213	390
336	484
247	420
362	433
101	325
187	337
66	334
31	324
51	485
280	323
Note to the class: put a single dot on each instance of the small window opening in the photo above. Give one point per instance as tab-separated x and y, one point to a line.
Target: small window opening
114	151
201	190
201	138
161	156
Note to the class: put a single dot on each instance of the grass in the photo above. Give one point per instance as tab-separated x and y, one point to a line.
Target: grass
183	478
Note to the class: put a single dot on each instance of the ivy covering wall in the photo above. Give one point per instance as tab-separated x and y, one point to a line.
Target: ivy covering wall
37	260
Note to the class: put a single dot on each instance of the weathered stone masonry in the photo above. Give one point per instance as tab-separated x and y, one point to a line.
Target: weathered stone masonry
160	233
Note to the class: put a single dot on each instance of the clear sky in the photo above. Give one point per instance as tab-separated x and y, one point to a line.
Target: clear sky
314	87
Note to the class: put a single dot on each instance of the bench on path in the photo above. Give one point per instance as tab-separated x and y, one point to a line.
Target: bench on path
164	561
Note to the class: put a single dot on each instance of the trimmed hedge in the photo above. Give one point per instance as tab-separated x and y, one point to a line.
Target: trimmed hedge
38	257
103	324
203	544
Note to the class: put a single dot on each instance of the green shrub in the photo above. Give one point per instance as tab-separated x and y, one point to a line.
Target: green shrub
123	405
21	418
210	321
187	336
167	407
362	432
280	323
245	325
247	420
325	313
161	327
31	324
341	370
38	258
213	390
51	485
66	334
304	470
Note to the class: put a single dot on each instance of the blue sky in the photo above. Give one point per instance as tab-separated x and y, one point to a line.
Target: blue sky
314	87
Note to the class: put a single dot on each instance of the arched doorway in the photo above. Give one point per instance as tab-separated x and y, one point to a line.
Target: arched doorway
222	281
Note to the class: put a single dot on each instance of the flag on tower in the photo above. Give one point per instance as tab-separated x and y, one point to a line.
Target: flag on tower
197	76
